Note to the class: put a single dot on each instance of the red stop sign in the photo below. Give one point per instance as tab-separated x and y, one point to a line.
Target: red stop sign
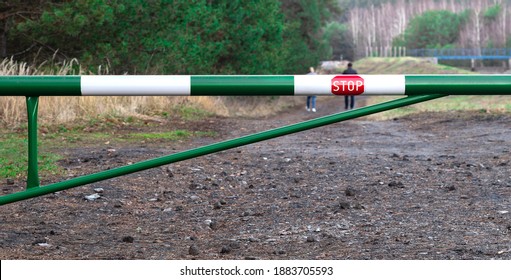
347	85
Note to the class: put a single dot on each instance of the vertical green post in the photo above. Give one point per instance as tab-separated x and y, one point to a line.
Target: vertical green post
33	170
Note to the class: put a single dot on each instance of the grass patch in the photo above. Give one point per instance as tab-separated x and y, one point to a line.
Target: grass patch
14	153
488	104
192	113
410	65
403	65
77	138
14	158
14	145
170	135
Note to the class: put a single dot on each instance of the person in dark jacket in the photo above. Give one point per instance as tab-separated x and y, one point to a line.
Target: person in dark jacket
351	103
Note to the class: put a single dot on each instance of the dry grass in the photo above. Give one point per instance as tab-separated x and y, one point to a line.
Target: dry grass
61	110
65	110
404	65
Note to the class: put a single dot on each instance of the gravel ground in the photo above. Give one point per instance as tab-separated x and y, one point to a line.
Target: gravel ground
425	186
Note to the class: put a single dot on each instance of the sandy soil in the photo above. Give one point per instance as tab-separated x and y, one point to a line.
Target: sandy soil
426	186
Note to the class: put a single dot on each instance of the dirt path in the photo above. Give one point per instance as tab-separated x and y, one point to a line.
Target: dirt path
428	186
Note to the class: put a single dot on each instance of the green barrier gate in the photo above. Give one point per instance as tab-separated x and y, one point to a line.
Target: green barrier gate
255	85
417	88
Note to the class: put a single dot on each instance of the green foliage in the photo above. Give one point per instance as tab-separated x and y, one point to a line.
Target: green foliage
157	37
304	45
399	41
492	12
181	36
464	16
432	29
338	39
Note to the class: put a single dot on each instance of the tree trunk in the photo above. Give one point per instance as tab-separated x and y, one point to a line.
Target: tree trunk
3	39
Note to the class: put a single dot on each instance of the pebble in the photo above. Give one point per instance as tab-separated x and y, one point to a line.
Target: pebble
39	241
344	205
358	206
213	225
169	172
234	245
226	249
193	250
343	226
350	192
92	197
128	239
311	239
10	181
99	190
217	205
395	184
247	213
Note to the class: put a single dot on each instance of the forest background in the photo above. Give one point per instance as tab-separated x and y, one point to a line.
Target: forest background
172	37
239	37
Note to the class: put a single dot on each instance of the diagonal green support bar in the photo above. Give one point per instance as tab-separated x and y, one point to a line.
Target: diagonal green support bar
225	145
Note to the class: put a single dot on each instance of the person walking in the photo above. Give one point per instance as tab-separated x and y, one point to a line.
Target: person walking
311	100
349	100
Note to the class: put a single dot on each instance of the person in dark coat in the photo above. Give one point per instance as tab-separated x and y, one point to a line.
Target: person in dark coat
349	100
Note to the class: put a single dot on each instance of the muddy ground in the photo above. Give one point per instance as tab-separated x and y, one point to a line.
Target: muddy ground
426	186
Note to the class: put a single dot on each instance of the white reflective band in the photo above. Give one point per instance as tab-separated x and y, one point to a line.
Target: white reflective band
373	84
313	84
384	84
135	85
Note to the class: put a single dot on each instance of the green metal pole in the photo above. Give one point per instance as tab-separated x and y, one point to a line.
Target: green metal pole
225	145
249	85
33	171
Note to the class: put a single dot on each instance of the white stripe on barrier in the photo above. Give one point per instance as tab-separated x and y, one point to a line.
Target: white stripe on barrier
313	84
136	85
384	84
